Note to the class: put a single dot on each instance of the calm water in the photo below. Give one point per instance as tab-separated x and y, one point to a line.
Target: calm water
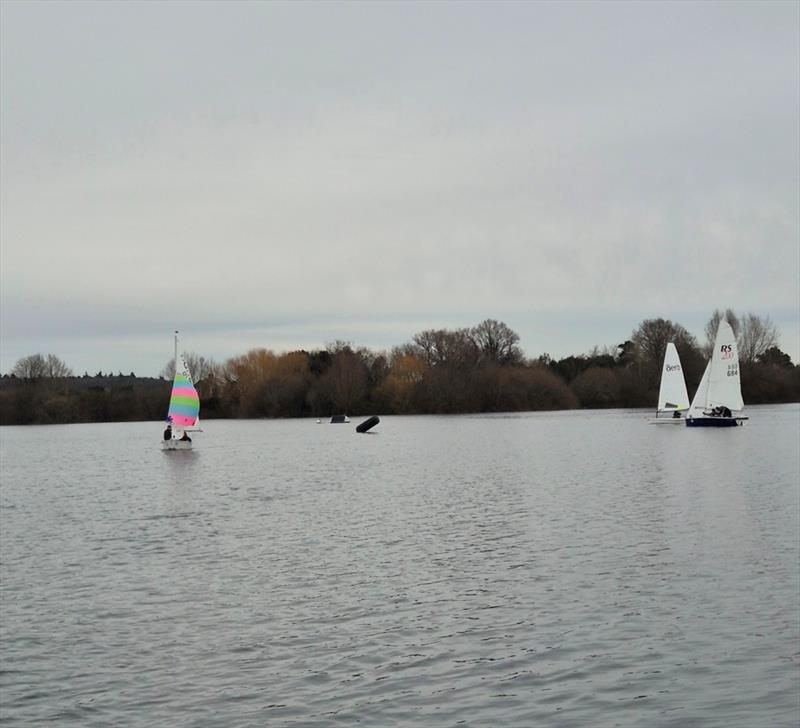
559	569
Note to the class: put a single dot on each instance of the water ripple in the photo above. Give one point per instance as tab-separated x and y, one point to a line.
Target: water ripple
563	570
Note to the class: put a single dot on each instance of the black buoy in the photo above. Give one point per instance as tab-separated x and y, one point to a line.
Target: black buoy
368	424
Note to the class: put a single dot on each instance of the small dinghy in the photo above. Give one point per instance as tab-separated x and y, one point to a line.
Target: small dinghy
183	415
672	397
719	395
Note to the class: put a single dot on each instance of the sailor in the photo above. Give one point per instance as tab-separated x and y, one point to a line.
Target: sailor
186	438
168	433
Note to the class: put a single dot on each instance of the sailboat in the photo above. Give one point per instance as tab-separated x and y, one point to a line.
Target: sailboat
719	395
183	415
672	396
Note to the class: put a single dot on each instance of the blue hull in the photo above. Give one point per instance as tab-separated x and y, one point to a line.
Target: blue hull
712	422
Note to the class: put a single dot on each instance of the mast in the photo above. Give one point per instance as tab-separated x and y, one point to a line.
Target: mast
176	354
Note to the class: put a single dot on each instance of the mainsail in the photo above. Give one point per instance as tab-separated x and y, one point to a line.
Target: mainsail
672	394
724	383
184	404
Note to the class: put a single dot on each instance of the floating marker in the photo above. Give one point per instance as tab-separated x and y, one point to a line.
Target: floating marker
368	424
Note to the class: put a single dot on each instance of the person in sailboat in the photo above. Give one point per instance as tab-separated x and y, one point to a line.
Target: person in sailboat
186	438
168	432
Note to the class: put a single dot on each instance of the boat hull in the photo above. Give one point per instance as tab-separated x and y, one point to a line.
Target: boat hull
666	421
176	445
714	421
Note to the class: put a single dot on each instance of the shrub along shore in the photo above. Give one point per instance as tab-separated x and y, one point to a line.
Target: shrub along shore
441	371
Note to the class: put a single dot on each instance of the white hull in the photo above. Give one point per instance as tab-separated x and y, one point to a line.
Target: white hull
176	445
666	420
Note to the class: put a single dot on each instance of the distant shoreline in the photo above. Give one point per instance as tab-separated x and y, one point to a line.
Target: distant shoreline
115	398
474	370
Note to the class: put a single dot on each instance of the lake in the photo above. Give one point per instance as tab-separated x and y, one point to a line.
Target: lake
538	569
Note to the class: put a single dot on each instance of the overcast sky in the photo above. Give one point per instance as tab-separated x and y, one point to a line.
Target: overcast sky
284	175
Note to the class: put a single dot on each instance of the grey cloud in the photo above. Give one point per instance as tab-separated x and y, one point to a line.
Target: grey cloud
256	166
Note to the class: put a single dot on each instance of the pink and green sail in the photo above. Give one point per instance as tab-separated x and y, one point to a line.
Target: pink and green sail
184	404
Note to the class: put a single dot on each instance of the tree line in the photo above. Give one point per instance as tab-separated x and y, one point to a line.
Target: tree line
440	371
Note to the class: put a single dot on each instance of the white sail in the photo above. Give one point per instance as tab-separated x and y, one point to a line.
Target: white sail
724	382
672	394
700	399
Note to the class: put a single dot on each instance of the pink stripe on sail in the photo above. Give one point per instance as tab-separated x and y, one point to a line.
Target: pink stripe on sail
182	421
185	391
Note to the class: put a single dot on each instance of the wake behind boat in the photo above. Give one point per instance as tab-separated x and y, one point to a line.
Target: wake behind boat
719	395
183	416
673	399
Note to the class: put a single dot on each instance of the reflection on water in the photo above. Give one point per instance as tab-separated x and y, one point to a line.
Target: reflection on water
537	569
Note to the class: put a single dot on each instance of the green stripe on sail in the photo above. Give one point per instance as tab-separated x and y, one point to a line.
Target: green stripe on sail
183	399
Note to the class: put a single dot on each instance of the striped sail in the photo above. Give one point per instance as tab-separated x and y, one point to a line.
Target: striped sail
184	404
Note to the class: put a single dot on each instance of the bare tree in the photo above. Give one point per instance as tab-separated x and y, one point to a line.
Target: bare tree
334	347
496	342
438	347
756	335
37	366
650	341
713	325
55	367
30	367
199	366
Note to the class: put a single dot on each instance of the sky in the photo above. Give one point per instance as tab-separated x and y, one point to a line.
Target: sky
283	175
